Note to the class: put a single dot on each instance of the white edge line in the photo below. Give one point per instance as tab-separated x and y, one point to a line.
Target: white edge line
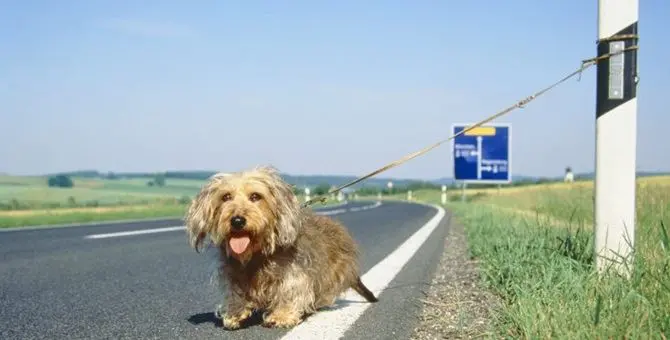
332	324
166	229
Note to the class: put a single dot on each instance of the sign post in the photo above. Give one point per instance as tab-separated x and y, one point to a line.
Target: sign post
482	155
616	125
464	187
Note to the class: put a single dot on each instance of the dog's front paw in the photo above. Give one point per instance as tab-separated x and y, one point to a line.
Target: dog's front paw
281	319
234	321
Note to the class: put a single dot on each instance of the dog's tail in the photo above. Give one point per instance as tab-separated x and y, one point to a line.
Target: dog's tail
360	288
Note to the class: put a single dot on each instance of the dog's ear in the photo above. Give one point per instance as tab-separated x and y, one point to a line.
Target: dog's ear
196	219
287	206
200	213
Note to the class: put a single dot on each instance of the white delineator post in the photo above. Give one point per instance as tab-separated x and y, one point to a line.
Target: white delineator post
616	125
444	194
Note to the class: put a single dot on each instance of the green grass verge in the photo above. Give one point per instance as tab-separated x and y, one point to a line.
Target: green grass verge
544	275
542	268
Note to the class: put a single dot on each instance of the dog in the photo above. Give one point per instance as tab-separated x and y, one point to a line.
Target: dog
275	256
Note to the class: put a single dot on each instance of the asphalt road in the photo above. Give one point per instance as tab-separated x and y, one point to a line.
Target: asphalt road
58	284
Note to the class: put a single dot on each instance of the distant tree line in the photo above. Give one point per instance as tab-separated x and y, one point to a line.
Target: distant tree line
319	184
60	181
65	181
158	180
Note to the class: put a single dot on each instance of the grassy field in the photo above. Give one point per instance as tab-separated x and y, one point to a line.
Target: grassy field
27	201
534	246
33	192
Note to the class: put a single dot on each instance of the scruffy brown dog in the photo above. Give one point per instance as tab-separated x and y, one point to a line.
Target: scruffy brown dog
276	256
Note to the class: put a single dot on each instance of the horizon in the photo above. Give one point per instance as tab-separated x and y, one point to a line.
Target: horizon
380	177
232	86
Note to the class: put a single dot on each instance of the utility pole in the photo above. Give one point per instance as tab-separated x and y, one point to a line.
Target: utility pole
616	134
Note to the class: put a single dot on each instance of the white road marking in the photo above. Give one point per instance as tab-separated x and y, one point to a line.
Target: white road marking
337	205
332	324
135	232
166	229
354	209
332	212
365	207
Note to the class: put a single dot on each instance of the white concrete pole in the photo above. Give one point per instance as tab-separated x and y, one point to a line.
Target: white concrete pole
616	128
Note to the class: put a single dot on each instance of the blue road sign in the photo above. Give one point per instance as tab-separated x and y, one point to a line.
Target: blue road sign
482	155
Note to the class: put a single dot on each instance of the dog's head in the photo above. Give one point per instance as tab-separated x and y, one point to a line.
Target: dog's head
246	212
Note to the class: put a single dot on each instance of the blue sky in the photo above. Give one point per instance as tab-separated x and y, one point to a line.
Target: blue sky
311	88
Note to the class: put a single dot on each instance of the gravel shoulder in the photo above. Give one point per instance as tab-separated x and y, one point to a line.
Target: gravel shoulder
456	305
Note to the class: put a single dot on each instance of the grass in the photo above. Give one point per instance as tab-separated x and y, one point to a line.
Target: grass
534	247
84	215
23	193
29	201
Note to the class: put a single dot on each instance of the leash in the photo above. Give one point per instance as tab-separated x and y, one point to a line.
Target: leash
520	104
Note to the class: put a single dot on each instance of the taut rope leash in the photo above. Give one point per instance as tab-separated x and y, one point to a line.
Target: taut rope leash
520	104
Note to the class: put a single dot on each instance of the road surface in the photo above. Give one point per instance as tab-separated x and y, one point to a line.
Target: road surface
141	280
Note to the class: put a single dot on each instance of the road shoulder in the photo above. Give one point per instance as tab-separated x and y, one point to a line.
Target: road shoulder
456	305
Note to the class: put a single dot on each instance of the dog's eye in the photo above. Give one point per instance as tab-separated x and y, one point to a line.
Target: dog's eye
255	197
226	197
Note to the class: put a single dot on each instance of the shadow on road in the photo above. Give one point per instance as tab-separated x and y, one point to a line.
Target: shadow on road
256	318
203	318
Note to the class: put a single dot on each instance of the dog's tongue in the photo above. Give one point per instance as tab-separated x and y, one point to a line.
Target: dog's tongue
239	244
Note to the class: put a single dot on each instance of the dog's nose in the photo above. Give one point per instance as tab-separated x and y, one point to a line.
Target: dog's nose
238	222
